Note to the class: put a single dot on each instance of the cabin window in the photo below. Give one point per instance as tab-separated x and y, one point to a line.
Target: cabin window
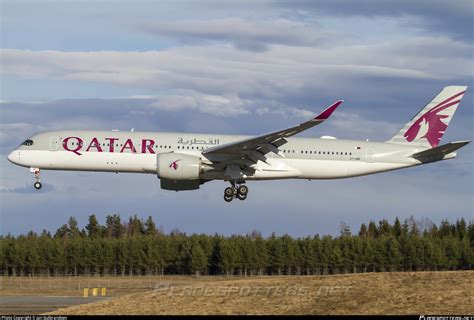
27	143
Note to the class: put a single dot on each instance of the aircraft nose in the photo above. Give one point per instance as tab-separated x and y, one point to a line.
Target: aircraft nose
13	156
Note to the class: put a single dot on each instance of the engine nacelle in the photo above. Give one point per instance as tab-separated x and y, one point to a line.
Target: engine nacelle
179	166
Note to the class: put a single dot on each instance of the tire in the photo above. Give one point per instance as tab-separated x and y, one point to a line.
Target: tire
243	190
229	192
241	196
228	199
38	185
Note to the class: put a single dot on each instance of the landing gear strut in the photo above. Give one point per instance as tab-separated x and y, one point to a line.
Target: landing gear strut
37	184
239	192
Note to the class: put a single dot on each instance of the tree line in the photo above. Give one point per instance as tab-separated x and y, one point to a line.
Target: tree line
139	247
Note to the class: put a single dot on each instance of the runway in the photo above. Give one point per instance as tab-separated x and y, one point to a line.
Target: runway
32	305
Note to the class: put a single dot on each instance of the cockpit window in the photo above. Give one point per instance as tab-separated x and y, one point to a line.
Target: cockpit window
28	143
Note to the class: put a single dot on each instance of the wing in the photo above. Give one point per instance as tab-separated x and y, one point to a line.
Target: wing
256	148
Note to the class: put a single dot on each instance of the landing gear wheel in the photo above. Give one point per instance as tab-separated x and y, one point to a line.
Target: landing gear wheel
243	190
36	171
229	192
241	196
236	191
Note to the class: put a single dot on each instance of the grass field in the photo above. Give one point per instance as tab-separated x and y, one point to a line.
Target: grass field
375	293
73	286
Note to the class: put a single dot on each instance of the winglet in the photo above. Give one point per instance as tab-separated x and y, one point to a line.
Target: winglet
329	110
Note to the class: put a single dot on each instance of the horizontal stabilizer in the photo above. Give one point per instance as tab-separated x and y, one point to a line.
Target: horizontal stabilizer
440	152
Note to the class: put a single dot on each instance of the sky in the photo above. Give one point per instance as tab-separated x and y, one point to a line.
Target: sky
233	67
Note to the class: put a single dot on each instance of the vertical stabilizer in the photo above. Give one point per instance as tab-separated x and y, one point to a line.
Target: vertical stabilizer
428	126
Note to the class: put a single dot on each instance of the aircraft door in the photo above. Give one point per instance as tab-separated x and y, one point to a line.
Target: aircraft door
53	143
369	155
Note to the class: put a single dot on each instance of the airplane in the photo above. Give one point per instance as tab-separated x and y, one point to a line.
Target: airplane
184	161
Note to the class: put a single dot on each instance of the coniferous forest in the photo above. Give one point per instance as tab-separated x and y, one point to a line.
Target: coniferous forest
136	247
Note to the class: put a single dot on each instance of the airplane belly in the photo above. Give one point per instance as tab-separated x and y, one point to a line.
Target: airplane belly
321	169
89	161
337	169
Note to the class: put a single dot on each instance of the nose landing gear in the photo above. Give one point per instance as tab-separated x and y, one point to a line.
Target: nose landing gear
239	192
37	184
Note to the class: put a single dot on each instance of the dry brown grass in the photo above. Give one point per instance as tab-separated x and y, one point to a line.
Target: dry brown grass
376	293
73	286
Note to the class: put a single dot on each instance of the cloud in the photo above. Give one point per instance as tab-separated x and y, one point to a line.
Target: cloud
212	104
357	125
285	112
454	18
226	72
245	34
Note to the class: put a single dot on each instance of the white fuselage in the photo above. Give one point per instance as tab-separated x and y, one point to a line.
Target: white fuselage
303	158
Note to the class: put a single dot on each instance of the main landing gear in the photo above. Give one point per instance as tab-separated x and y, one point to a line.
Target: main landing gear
37	184
239	192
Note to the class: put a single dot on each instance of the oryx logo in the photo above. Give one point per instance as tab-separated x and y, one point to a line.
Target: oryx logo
430	126
174	164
